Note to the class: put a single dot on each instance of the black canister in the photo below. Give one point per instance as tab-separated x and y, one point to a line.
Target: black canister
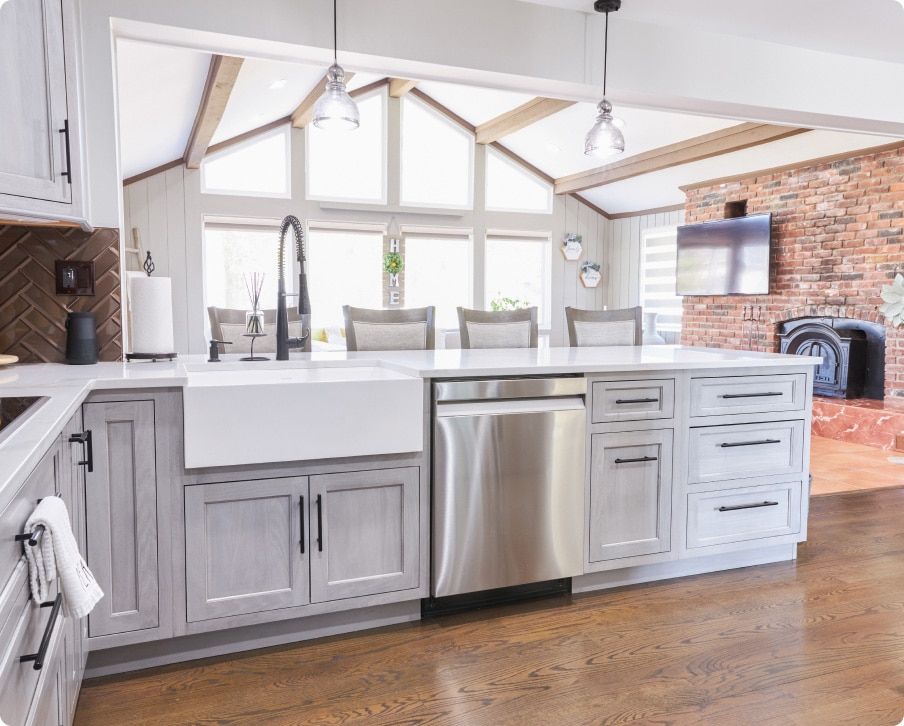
81	339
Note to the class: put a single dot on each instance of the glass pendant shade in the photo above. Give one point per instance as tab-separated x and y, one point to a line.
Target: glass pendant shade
335	109
604	139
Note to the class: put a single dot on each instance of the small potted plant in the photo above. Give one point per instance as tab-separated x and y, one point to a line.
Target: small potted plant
590	274
572	246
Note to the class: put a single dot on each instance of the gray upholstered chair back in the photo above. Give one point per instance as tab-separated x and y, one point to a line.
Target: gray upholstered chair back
604	327
404	329
498	328
228	324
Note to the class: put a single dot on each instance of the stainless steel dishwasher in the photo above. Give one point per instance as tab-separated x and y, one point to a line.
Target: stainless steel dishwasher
508	482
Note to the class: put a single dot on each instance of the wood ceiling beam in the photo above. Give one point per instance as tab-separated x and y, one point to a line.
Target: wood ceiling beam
398	87
221	77
735	138
526	114
303	115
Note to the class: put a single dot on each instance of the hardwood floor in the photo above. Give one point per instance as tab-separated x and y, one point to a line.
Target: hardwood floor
839	466
818	641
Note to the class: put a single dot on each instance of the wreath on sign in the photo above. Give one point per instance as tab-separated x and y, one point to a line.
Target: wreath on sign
393	263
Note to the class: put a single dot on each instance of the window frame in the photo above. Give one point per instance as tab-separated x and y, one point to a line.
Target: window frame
544	312
284	130
494	153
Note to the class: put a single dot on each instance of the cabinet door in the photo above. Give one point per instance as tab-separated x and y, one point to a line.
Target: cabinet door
121	516
630	494
33	112
364	533
245	548
75	452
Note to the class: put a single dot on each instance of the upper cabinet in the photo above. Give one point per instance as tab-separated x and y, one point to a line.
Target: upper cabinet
37	152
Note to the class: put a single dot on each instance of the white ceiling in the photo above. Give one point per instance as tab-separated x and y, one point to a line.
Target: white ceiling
160	89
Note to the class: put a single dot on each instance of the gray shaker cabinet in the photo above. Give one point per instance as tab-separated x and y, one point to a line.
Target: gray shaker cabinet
121	517
630	494
367	524
245	547
270	544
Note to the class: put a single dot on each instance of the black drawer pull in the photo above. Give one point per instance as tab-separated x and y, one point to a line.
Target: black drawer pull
747	506
319	524
640	458
38	657
751	395
728	445
637	400
33	537
84	438
65	132
301	518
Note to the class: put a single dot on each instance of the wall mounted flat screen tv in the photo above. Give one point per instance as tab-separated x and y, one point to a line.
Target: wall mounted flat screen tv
724	257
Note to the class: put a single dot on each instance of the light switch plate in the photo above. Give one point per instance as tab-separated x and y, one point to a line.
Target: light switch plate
74	277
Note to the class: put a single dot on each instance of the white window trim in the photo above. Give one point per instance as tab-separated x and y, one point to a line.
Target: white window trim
545	326
517	167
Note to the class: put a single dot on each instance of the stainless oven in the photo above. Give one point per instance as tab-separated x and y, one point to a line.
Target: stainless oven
508	482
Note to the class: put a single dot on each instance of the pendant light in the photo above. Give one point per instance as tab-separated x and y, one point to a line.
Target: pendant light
605	138
335	109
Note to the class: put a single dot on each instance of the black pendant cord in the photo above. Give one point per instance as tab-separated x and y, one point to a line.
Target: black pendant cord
605	53
335	36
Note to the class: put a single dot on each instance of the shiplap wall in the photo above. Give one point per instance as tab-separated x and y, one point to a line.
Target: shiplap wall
166	211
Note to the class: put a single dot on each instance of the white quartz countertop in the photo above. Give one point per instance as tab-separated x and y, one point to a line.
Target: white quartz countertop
67	386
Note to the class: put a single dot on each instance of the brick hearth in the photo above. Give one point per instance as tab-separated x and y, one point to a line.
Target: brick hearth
836	239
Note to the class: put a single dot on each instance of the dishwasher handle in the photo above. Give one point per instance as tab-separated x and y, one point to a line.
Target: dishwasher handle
483	389
494	408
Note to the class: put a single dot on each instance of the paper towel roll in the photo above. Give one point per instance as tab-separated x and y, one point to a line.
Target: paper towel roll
151	307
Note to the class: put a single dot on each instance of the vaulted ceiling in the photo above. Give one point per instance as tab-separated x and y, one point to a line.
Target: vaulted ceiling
176	104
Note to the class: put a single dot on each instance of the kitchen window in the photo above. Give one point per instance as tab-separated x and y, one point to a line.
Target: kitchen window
518	272
233	249
511	188
657	283
437	159
258	167
438	271
350	166
344	267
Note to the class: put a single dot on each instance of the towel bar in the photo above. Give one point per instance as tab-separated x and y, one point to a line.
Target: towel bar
32	537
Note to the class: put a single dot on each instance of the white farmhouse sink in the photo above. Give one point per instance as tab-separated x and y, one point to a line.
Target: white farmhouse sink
237	417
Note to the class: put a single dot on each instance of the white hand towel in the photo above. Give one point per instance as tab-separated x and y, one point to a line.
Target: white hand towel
57	553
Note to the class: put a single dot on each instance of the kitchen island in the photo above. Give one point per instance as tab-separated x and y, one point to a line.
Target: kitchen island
212	559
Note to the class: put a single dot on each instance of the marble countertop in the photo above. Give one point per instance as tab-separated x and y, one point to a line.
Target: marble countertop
67	386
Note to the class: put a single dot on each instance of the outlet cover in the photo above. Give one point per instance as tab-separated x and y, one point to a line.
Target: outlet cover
74	277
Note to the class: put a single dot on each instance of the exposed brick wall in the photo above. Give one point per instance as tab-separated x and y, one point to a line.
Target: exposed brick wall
837	238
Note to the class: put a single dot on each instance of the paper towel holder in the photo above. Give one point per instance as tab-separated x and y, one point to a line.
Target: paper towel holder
149	267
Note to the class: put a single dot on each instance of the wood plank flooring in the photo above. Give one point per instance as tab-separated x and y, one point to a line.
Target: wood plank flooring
818	641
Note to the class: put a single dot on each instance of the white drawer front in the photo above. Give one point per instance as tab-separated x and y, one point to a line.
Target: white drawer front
743	451
632	400
737	515
748	394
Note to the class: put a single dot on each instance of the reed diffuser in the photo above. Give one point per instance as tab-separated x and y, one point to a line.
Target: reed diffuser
254	318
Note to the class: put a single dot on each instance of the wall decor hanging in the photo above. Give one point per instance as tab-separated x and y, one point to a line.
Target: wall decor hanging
893	295
572	247
590	274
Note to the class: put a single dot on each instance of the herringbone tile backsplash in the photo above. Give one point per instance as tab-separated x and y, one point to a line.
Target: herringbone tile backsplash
32	315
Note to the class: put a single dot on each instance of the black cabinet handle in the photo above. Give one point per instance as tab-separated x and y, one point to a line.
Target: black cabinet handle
637	400
640	458
319	524
730	444
735	507
38	657
84	438
751	395
65	132
33	537
301	519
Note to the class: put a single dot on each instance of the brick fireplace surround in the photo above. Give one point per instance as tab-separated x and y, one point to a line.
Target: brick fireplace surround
837	237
